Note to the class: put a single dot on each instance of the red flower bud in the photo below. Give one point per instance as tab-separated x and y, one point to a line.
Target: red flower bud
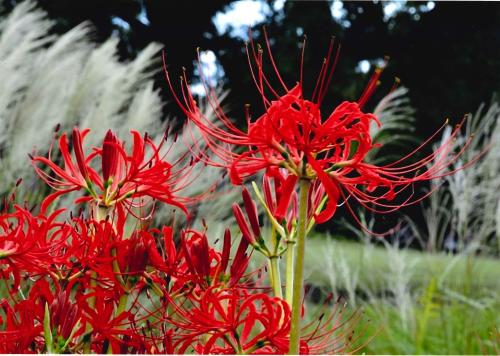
251	209
226	249
78	149
110	156
242	223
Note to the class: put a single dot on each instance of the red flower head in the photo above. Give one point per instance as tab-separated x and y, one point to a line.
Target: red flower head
44	321
30	244
233	320
292	134
124	176
22	328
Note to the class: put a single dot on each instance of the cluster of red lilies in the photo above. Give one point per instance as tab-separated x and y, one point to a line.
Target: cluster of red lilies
104	281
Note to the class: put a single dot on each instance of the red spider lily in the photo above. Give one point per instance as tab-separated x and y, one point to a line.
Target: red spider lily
138	252
90	249
45	321
234	321
65	317
30	243
110	332
280	200
22	328
292	134
97	248
279	195
124	177
62	316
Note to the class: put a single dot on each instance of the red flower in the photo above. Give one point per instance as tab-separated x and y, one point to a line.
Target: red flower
22	328
110	332
232	320
30	244
124	177
292	134
24	331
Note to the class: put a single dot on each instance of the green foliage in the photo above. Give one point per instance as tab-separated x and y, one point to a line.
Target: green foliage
428	309
369	267
418	302
453	329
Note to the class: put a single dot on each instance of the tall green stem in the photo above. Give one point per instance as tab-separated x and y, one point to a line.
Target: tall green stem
274	265
290	250
276	277
298	276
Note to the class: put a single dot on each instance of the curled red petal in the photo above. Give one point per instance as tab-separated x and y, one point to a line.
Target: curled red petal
331	190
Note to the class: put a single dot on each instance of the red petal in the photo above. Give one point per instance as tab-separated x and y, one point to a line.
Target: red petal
252	213
50	198
331	190
285	196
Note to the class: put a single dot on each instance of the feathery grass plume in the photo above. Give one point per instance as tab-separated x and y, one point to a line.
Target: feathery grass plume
465	210
475	207
65	79
437	220
214	213
398	124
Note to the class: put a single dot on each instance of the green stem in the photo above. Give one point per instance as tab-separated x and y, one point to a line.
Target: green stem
47	331
100	213
240	349
275	275
122	304
274	265
298	278
290	250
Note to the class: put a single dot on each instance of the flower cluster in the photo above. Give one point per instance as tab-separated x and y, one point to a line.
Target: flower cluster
85	284
104	282
292	134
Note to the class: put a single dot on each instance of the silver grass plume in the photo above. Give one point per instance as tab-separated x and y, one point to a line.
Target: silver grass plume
474	191
68	80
